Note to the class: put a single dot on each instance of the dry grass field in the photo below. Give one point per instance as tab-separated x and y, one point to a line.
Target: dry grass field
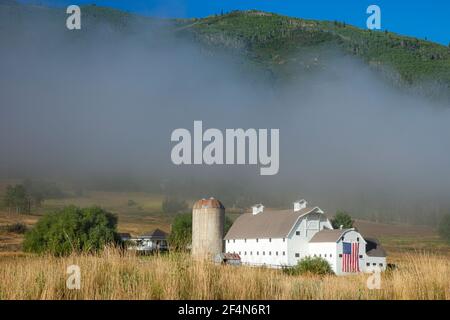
421	257
112	275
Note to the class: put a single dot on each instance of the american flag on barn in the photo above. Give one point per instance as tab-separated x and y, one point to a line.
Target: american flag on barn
350	257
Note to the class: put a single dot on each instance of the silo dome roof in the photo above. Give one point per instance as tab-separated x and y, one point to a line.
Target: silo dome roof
208	203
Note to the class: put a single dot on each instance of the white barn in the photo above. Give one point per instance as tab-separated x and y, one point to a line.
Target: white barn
283	237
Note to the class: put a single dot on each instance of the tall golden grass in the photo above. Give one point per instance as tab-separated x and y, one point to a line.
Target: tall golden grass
114	275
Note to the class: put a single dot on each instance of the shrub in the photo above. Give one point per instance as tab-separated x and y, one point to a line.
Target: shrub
72	230
444	228
310	265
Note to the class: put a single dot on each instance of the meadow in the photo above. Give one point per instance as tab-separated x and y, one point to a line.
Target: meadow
117	275
422	262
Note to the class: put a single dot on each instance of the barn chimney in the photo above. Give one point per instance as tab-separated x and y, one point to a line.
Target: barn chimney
300	204
257	208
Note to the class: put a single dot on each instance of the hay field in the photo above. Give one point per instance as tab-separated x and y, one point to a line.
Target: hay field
112	275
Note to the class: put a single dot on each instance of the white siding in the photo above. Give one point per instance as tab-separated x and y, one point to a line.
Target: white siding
325	250
270	252
374	262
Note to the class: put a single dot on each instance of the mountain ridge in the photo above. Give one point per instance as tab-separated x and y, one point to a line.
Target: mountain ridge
282	45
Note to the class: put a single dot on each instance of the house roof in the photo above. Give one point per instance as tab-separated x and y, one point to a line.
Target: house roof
157	233
267	224
328	235
374	248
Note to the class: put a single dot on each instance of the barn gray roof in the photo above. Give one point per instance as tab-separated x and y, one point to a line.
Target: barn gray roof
328	235
267	224
374	248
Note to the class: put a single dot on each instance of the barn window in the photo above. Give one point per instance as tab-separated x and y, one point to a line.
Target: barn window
297	233
360	256
270	239
342	238
270	253
264	253
276	253
357	239
331	255
256	239
368	264
228	241
245	240
234	241
251	253
245	253
340	255
284	239
284	253
381	264
297	255
239	253
257	253
374	264
325	255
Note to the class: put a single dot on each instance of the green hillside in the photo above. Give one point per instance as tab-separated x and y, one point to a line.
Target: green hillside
273	41
282	45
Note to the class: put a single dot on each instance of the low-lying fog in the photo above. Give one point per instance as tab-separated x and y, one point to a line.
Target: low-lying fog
103	103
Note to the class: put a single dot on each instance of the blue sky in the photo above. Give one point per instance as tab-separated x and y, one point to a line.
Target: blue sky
419	18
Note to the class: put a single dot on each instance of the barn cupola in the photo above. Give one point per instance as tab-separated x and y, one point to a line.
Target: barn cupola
257	208
300	204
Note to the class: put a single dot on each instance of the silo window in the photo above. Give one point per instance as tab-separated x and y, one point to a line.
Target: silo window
357	239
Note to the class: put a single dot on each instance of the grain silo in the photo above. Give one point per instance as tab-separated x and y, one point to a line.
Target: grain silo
208	218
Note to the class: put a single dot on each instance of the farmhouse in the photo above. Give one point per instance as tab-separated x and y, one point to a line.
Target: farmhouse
278	238
155	240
